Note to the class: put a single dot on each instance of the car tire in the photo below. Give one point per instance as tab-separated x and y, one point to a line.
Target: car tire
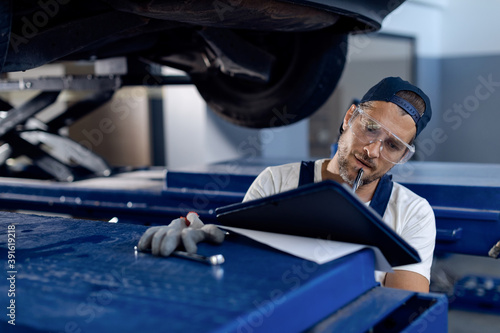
308	68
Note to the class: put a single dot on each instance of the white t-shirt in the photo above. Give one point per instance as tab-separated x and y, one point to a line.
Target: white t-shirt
408	214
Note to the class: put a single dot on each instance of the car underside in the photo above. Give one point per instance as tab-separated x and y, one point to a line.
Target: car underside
256	63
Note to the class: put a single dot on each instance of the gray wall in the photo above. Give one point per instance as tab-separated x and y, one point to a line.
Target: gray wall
457	50
465	101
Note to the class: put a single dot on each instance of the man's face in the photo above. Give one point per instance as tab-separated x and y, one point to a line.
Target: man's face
354	155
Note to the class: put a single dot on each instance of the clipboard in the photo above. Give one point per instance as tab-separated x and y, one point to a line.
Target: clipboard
325	210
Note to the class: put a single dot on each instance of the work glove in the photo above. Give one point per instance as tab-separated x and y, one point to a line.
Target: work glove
188	231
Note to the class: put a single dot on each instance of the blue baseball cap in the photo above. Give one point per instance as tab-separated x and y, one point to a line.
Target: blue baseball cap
386	91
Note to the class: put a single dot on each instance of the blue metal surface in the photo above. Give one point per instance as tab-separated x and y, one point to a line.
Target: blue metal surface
477	293
84	276
389	310
145	201
229	176
465	198
155	196
428	314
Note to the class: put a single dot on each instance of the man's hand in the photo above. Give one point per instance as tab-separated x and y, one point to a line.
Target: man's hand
187	231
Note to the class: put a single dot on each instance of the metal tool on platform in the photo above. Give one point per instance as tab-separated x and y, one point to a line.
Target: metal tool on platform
216	259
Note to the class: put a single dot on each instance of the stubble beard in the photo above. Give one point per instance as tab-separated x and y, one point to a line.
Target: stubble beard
343	154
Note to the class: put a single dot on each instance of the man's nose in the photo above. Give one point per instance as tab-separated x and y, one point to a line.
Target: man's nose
373	148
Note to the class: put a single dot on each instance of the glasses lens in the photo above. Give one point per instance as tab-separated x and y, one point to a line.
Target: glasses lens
367	130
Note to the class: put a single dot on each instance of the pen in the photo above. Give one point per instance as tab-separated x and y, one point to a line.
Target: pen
357	181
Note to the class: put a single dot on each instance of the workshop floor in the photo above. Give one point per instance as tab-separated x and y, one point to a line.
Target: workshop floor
449	269
472	322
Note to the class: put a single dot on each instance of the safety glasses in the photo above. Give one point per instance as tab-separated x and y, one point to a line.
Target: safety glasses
367	130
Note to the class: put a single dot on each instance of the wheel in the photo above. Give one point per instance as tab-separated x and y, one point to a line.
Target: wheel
307	69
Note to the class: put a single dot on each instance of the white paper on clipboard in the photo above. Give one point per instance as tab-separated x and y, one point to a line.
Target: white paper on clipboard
317	250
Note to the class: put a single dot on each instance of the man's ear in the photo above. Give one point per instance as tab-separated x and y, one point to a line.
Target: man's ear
348	116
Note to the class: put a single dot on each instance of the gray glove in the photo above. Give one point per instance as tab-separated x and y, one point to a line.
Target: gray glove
188	230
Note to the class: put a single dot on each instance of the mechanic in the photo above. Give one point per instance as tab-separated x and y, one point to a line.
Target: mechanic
375	135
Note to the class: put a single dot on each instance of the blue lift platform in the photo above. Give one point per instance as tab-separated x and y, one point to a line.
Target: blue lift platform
83	275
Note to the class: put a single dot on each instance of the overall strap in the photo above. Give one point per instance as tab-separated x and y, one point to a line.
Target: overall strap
380	198
306	173
382	194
